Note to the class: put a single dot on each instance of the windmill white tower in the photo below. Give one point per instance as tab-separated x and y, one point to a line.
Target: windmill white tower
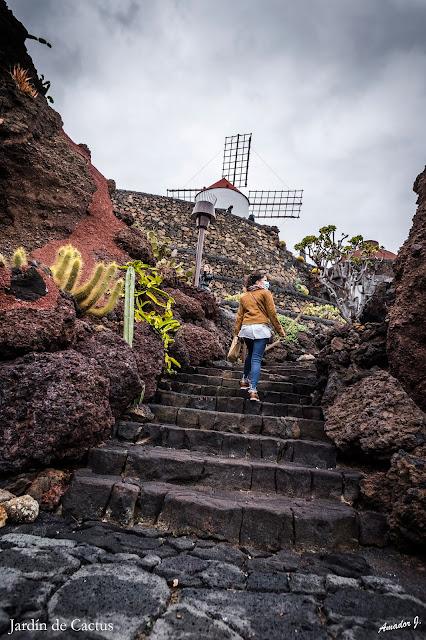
259	203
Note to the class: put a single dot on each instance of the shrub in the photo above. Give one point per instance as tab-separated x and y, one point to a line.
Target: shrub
154	306
326	311
233	298
292	329
301	288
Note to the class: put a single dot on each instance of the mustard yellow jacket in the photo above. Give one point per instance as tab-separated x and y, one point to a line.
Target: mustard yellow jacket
257	307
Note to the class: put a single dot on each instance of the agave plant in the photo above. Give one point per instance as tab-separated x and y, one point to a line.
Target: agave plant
23	81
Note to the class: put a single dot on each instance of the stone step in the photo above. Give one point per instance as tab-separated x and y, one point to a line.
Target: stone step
229	392
237	405
247	518
266	374
233	383
284	427
182	466
303	452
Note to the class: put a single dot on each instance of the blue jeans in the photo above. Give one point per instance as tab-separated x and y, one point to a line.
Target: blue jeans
256	349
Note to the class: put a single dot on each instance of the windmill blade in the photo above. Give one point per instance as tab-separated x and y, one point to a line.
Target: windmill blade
276	204
183	194
236	156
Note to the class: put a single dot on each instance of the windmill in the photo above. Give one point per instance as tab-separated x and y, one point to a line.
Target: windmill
259	203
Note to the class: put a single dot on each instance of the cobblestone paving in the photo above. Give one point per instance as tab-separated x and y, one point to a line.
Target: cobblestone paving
138	583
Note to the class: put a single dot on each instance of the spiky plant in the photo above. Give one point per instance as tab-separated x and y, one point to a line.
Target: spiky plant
67	267
112	301
23	81
19	258
67	271
108	272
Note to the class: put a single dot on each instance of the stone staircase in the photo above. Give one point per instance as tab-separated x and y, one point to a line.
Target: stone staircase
216	465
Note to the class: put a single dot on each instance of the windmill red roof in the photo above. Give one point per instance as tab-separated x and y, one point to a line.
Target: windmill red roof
380	254
223	183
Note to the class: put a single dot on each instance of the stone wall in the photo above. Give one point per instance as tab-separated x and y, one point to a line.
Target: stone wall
234	246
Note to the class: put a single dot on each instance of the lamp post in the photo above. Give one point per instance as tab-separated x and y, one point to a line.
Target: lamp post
203	213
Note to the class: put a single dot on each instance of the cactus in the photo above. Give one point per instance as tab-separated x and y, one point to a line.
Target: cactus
96	292
19	258
80	293
109	306
129	306
67	271
67	267
3	261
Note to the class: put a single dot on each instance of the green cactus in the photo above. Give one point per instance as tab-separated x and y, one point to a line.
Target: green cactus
19	258
129	306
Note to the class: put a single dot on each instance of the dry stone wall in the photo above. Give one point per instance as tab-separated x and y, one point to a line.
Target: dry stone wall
234	246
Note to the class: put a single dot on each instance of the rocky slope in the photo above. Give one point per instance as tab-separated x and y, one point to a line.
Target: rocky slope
65	378
406	343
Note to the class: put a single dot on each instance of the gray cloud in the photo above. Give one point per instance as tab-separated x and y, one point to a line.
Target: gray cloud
334	92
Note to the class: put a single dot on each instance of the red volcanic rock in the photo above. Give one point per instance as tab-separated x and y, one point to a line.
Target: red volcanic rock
375	416
48	488
27	328
136	244
149	356
46	186
204	298
406	342
195	346
400	493
53	406
116	360
188	308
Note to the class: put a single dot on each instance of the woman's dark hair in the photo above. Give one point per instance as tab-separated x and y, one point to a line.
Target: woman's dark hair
253	278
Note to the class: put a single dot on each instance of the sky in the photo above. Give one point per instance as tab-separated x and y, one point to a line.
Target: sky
334	92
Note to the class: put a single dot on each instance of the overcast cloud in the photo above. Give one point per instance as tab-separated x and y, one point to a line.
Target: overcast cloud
334	92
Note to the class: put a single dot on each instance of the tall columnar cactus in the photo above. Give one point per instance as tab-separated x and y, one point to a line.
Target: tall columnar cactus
67	267
67	271
129	306
112	301
19	258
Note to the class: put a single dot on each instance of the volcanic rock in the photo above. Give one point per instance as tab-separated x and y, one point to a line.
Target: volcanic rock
136	244
375	416
195	346
43	177
54	406
22	509
149	355
116	359
24	329
188	307
406	342
49	487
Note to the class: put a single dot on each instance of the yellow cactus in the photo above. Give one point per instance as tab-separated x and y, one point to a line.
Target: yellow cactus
109	306
19	258
67	271
3	261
